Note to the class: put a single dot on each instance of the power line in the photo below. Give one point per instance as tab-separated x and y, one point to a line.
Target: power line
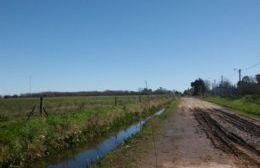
239	70
231	74
30	85
252	66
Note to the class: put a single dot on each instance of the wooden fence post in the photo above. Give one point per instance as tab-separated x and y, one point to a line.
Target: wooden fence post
30	113
42	110
115	100
41	106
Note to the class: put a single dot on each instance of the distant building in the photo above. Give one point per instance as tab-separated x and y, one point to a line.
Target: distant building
224	91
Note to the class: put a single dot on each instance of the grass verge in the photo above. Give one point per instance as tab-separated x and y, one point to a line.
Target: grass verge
131	153
247	104
24	141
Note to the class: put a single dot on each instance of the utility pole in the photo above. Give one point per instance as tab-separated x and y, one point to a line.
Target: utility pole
147	92
214	87
154	143
239	73
30	85
221	85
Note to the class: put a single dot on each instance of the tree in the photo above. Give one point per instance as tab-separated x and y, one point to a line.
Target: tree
226	84
248	85
198	87
248	79
257	78
207	85
162	90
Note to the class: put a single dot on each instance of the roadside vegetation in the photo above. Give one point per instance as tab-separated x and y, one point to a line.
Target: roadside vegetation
244	96
70	121
248	104
132	152
18	107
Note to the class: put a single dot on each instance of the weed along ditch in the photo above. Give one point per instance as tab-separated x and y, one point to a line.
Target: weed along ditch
88	157
77	131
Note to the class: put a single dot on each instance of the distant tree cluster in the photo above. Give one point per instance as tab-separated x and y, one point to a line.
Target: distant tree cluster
82	93
9	96
93	93
162	91
199	87
248	85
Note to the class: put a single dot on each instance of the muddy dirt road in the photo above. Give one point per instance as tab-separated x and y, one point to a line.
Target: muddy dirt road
201	134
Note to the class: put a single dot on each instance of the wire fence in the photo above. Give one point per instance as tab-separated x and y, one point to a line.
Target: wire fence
20	107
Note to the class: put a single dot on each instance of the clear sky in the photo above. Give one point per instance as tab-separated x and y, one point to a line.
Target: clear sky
75	45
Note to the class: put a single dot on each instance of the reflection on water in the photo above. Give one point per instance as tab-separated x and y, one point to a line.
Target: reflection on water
90	156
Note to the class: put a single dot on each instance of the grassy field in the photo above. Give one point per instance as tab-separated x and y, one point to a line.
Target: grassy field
136	147
247	104
18	107
71	121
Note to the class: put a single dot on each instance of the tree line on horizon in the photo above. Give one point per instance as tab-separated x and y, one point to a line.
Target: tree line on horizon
249	85
141	91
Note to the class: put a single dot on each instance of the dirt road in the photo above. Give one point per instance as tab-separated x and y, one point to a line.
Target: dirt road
204	135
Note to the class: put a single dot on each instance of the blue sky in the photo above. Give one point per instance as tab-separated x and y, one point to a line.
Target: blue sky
75	45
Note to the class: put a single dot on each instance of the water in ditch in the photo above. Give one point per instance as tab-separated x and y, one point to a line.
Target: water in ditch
91	156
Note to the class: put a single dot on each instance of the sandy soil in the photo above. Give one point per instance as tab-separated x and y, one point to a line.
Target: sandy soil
204	135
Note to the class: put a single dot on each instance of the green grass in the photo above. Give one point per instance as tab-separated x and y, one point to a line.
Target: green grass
22	141
19	107
247	104
131	153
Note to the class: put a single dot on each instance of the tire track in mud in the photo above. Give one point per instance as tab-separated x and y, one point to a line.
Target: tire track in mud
239	122
220	128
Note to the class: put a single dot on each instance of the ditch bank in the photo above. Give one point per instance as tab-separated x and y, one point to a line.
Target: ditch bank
48	146
89	157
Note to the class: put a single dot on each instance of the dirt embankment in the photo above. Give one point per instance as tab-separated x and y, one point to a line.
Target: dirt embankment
201	134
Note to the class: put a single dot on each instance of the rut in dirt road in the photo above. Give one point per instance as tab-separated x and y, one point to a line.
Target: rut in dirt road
231	133
239	122
201	134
